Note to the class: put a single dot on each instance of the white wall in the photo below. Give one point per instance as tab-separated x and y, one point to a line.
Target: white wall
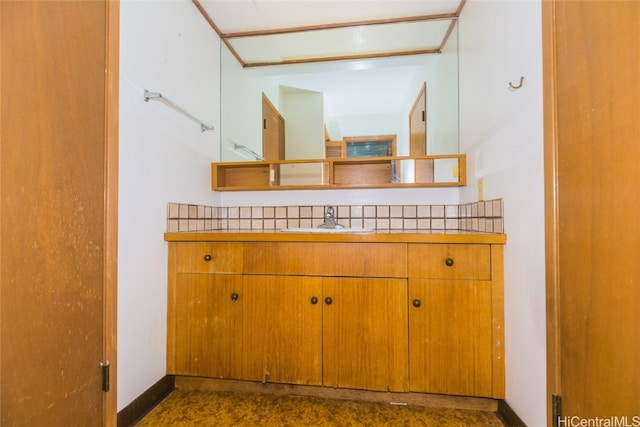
399	196
502	133
165	46
242	97
304	124
443	100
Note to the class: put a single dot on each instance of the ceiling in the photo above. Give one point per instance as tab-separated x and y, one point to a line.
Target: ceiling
268	32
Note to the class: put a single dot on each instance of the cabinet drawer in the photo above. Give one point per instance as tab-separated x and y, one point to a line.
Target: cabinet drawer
326	259
449	261
207	257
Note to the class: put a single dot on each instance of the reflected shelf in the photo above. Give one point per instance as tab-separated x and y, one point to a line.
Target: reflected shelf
341	173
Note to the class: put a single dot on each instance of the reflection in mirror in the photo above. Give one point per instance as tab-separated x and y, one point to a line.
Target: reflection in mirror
323	104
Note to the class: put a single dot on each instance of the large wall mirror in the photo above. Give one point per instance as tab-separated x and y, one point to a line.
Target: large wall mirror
320	104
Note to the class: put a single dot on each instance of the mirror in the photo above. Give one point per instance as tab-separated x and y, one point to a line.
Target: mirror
331	101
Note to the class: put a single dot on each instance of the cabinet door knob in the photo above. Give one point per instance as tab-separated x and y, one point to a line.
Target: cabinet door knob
314	300
449	262
234	297
416	303
207	258
328	300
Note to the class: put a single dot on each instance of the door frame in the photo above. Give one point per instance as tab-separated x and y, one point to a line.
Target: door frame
110	282
551	204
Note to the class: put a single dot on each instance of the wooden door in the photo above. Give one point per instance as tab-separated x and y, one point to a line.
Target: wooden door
425	169
450	327
208	325
365	333
592	134
273	137
418	124
283	329
58	183
272	131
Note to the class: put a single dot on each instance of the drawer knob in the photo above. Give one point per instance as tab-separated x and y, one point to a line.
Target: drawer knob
207	258
234	297
416	303
328	300
449	262
314	300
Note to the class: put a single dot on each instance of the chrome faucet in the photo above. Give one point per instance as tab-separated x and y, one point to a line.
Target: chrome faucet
330	220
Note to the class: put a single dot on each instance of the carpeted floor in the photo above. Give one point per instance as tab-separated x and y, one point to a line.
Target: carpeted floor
186	407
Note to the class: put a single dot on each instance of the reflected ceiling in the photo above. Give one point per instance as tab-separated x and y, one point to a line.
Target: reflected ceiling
269	32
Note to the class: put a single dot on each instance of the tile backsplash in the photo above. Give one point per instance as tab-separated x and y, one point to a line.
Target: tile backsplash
484	216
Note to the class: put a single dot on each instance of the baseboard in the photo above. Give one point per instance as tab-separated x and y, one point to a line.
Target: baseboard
508	415
423	399
144	403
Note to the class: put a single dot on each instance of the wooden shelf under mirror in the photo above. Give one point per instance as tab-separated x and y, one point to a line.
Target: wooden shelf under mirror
368	172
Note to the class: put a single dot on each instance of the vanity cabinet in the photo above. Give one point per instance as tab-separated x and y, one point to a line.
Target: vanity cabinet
205	309
207	325
365	333
346	325
337	332
450	319
369	312
282	340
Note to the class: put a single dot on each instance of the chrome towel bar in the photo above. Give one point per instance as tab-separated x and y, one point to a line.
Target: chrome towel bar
157	95
237	147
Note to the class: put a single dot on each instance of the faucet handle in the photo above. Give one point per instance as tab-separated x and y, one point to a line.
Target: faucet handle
330	210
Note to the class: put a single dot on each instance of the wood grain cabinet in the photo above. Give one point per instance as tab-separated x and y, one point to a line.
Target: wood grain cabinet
207	325
353	336
205	309
365	333
450	319
282	339
384	316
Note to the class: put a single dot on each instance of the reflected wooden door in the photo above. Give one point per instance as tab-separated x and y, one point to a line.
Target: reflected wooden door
424	170
273	137
272	131
593	232
418	124
57	211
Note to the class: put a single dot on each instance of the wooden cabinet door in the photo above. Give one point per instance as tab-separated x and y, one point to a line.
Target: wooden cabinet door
365	333
207	326
283	329
450	337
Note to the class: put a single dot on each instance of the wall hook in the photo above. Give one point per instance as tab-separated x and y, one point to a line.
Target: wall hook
513	87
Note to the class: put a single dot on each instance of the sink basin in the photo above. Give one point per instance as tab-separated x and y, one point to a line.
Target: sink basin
326	230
